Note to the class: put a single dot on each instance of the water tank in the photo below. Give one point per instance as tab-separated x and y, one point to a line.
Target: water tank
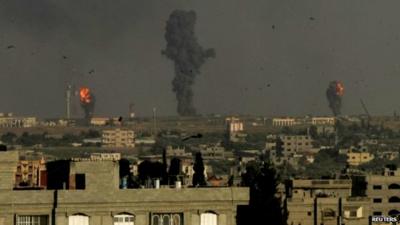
178	185
157	183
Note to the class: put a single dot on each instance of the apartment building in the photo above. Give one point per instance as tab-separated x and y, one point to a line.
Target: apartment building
118	138
10	121
93	197
384	191
325	202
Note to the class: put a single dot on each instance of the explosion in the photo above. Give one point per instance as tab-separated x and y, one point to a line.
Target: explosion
334	94
188	56
87	100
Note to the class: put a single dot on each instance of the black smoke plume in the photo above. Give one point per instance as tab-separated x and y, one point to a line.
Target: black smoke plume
334	96
88	107
187	55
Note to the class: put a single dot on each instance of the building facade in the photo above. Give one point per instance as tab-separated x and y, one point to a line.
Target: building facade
384	191
118	138
95	199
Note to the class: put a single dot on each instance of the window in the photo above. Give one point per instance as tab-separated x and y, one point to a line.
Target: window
209	218
394	212
32	220
80	181
377	200
309	213
124	219
394	199
377	187
328	213
394	186
353	213
167	219
78	220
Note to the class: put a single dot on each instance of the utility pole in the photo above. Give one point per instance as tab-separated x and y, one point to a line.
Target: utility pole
68	101
154	121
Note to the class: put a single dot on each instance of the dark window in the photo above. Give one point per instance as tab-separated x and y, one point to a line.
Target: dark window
394	199
394	186
377	200
394	212
80	180
377	187
309	213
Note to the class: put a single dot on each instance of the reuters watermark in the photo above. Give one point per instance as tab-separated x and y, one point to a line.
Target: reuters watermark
385	219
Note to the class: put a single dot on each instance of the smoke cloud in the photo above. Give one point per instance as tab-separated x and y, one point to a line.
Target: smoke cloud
334	94
187	55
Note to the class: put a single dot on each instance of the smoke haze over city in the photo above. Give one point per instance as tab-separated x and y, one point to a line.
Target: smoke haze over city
274	57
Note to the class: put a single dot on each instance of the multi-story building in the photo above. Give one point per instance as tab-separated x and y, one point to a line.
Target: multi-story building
31	174
285	122
327	202
118	138
358	158
10	121
235	129
93	197
212	152
318	121
296	143
384	191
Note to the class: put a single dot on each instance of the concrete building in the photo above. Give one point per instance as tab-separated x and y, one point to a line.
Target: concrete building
99	121
118	138
358	158
384	191
31	174
235	130
297	143
10	121
325	202
94	198
285	122
212	152
318	121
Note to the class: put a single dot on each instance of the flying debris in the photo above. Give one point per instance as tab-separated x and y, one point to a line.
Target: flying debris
334	94
91	71
187	55
10	46
64	57
311	18
87	100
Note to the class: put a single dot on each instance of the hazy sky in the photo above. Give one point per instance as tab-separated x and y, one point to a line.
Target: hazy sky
312	43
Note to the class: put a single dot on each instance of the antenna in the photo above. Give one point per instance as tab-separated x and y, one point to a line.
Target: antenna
154	121
68	101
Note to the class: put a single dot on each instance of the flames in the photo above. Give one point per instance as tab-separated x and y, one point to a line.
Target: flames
85	95
339	88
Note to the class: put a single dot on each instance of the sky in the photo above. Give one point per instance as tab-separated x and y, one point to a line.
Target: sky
273	57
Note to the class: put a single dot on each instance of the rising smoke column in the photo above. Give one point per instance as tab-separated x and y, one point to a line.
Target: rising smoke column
87	100
188	56
334	94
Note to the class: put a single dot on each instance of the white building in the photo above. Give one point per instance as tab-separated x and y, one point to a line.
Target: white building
284	122
317	121
10	121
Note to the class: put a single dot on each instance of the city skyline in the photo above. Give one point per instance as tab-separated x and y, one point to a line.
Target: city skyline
273	57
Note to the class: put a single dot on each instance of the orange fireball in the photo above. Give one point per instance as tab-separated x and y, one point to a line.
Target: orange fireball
85	96
339	88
